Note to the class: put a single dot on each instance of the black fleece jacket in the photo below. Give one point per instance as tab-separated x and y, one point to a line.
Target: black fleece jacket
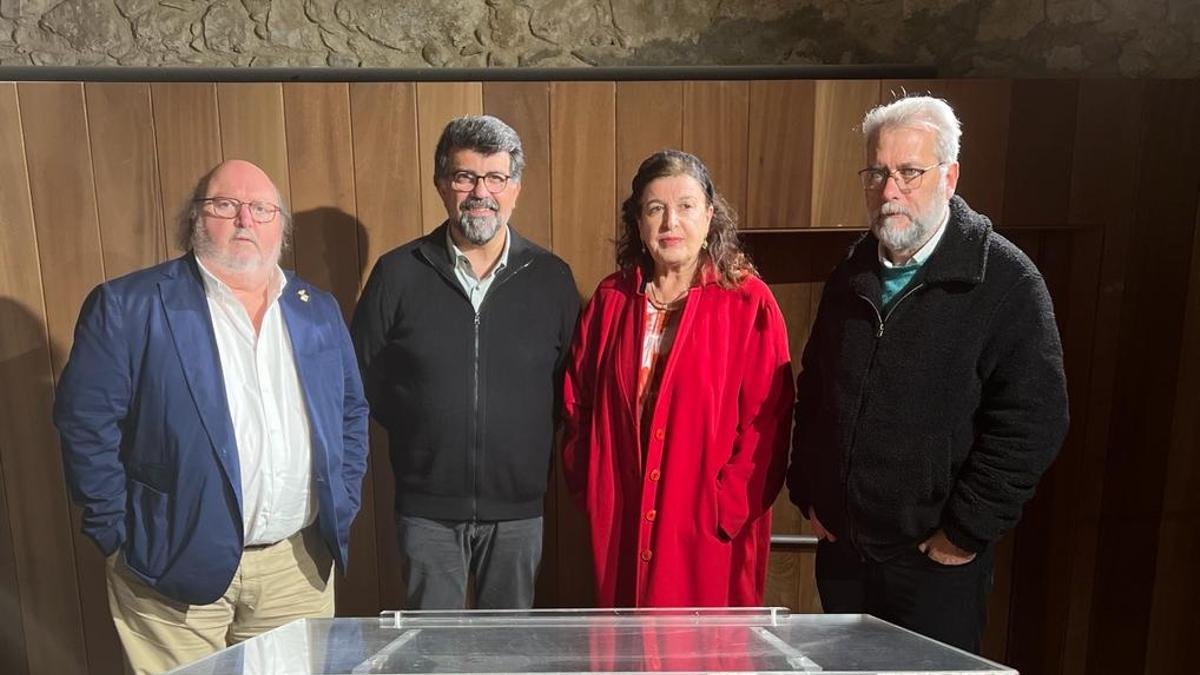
941	411
469	400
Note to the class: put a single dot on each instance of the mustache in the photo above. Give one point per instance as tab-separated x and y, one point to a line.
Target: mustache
479	203
894	209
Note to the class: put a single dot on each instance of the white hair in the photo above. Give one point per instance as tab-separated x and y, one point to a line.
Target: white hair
922	112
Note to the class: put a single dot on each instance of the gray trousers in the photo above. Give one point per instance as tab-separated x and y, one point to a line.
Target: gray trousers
437	556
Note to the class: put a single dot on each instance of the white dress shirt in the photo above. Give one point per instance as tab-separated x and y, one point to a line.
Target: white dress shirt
266	404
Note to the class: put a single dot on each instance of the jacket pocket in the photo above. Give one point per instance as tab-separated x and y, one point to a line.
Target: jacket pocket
147	535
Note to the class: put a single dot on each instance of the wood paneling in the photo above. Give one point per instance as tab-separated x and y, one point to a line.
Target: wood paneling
125	163
780	154
252	128
525	106
321	169
386	181
1149	358
188	138
650	119
24	364
437	104
583	169
68	248
1041	132
1108	126
1176	588
716	129
838	151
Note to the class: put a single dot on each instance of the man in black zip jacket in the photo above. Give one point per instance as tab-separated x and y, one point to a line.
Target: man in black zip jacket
461	336
932	396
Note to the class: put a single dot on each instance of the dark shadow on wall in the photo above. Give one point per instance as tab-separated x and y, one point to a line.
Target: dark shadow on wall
25	388
326	246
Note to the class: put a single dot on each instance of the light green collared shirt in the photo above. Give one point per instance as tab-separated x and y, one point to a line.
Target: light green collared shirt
475	288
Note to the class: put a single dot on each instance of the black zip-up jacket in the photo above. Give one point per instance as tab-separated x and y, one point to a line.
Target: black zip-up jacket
469	400
942	410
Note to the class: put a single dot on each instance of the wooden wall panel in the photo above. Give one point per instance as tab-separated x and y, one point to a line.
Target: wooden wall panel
24	365
125	164
582	186
1149	358
982	106
525	106
716	127
188	137
1176	589
1108	125
64	211
252	128
437	104
321	172
649	119
387	188
838	151
1041	132
780	171
583	178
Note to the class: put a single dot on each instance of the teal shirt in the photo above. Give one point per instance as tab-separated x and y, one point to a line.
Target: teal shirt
895	279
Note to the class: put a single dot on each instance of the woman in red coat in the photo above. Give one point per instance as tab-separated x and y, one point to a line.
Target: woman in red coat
678	396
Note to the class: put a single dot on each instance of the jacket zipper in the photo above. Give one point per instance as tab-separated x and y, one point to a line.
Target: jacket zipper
478	440
475	417
882	319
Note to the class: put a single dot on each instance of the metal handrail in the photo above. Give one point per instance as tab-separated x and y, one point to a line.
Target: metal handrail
805	542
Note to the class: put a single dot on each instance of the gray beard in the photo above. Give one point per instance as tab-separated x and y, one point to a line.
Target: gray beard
479	230
207	250
909	238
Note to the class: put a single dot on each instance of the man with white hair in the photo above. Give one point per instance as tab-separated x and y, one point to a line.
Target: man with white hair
932	396
461	337
214	430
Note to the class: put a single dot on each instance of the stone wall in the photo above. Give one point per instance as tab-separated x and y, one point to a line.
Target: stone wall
1016	38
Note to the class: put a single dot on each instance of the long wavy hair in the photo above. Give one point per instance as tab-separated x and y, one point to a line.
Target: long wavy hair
723	249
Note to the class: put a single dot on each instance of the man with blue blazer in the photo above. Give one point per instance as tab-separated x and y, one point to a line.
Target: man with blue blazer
214	431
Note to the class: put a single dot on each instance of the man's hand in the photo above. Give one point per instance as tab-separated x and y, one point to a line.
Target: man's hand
942	551
818	528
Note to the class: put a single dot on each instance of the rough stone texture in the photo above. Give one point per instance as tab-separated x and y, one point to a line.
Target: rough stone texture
1019	38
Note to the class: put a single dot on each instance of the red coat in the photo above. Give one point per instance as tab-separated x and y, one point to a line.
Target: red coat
691	527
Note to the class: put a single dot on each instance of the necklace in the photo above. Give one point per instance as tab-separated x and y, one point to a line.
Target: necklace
655	298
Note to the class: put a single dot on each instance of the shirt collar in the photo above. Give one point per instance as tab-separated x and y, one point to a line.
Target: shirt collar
215	288
459	258
924	252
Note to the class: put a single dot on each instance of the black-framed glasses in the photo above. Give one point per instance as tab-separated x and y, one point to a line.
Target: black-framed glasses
465	181
908	178
228	207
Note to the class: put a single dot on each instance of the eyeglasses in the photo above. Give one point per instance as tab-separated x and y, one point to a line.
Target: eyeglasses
908	178
228	207
465	181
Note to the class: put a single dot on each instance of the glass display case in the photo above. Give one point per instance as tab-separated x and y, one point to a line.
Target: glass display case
745	640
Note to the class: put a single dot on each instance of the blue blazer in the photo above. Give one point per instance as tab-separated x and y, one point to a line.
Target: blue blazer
148	444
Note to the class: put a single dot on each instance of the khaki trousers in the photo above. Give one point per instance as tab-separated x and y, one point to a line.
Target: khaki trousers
272	586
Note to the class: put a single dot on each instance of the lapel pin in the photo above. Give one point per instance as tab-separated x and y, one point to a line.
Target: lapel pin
303	293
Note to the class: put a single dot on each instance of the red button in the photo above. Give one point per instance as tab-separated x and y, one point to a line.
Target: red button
646	555
651	515
655	474
660	434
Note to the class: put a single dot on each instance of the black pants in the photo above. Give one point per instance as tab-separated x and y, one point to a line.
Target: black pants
946	603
